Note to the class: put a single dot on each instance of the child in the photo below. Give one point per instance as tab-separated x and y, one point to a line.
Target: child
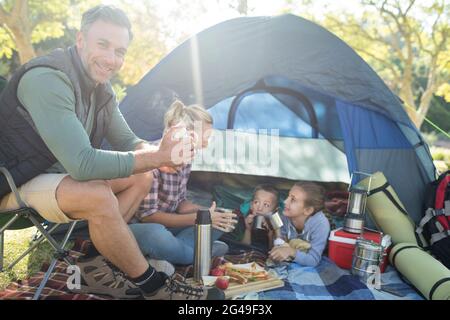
265	201
306	221
166	231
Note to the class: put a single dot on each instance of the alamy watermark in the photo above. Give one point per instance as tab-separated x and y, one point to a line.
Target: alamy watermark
74	279
250	148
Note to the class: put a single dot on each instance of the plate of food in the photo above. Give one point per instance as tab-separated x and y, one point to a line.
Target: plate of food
244	278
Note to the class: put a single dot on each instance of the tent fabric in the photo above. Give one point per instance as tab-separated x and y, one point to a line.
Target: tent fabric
400	167
375	143
230	69
227	58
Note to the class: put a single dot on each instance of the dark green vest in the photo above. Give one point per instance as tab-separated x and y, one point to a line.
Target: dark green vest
22	150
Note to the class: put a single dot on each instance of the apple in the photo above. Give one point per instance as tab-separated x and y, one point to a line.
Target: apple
222	283
217	272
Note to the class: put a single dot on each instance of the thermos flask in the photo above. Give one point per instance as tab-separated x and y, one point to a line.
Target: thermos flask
202	249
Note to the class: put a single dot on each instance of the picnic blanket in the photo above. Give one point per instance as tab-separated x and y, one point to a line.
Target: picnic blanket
324	282
329	282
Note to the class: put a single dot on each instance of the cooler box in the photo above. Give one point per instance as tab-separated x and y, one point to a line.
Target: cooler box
341	245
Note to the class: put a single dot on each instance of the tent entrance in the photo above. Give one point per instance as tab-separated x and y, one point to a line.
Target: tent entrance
277	128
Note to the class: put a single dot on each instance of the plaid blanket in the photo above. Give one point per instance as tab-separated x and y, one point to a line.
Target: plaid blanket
56	288
324	282
329	282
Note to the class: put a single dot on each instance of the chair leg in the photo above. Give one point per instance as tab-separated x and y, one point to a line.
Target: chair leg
59	255
2	239
33	246
45	280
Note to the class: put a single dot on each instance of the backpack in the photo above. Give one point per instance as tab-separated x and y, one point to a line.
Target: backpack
435	225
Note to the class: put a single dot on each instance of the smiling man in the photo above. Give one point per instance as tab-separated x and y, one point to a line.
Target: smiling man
54	114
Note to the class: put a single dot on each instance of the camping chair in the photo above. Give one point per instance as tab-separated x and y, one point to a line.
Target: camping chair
26	217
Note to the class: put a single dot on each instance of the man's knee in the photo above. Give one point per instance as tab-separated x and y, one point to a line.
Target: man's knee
100	194
143	182
90	199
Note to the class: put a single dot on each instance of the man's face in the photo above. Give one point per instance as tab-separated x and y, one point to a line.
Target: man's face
102	49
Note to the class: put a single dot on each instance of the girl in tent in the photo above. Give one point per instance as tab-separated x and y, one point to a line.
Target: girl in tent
305	222
167	218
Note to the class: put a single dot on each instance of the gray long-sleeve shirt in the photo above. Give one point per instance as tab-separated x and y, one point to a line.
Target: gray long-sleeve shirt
48	96
315	231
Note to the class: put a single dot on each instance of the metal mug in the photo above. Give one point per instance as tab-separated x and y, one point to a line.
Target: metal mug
275	220
258	222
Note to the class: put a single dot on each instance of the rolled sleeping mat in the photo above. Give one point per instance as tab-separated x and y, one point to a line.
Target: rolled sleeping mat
387	211
424	272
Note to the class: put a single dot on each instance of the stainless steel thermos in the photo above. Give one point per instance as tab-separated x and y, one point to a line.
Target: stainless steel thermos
203	245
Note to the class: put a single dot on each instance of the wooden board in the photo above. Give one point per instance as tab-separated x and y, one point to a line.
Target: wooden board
236	289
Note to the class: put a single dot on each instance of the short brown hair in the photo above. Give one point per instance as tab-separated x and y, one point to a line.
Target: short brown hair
315	195
105	13
268	188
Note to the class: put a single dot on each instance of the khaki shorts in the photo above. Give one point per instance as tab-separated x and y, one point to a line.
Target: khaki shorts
40	194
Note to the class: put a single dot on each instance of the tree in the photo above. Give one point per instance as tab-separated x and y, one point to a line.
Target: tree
407	43
147	47
16	25
27	23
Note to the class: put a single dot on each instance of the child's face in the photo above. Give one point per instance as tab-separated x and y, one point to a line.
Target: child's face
294	205
203	134
263	202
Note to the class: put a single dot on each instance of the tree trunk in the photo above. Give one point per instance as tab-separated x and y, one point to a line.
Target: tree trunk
407	95
18	22
425	103
23	43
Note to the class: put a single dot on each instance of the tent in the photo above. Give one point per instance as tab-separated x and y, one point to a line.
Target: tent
290	81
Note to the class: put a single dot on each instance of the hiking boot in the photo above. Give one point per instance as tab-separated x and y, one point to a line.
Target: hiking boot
99	276
175	288
162	266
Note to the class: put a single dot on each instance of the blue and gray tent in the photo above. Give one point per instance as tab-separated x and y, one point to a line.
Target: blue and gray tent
333	113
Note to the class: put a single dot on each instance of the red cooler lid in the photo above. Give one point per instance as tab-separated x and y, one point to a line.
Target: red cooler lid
369	235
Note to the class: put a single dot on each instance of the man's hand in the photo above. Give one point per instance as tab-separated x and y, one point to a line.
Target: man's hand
177	147
223	221
173	152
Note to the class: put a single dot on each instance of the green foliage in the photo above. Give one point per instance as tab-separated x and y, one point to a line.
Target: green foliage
47	30
147	47
6	44
120	91
439	114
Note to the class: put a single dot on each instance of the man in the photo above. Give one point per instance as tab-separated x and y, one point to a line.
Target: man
54	114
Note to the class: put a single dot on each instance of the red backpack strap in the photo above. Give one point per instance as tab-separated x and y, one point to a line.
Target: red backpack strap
443	214
441	190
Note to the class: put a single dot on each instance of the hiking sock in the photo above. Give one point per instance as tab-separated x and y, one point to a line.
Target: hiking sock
150	280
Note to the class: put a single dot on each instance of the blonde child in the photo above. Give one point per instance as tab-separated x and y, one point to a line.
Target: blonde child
167	218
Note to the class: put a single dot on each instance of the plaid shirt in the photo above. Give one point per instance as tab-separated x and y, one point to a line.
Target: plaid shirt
167	192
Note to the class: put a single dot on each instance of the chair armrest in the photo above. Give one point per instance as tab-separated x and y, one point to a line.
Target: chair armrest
12	185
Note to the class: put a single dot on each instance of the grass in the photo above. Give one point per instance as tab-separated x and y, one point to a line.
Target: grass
16	242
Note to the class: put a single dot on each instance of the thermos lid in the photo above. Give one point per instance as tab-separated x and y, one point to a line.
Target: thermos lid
203	217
